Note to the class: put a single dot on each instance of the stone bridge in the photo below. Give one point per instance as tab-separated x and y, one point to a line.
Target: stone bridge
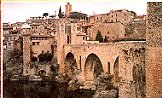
117	59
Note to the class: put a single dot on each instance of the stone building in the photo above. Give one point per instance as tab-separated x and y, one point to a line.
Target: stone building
38	40
41	43
124	16
117	24
11	37
124	60
72	43
98	18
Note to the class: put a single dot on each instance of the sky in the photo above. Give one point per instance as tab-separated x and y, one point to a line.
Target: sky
20	11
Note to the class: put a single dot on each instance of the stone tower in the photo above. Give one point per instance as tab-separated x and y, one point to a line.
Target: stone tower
26	52
61	41
154	50
68	9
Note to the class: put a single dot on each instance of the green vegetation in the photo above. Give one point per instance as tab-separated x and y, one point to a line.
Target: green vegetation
77	15
60	14
99	36
45	14
129	29
105	39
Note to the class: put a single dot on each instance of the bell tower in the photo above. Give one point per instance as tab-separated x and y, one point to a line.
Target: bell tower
68	9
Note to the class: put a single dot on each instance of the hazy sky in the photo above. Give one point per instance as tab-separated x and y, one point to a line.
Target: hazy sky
20	11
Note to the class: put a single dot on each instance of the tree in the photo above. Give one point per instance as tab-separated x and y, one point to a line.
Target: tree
52	16
34	59
77	15
45	14
105	39
99	36
41	57
60	14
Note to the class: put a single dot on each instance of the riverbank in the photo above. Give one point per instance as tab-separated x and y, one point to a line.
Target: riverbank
43	90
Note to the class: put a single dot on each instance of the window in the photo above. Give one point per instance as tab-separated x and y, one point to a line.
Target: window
68	29
78	28
68	39
9	43
55	42
37	43
116	15
33	43
111	20
108	32
108	66
116	20
80	62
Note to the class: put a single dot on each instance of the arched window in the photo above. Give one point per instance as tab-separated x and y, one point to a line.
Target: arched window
108	67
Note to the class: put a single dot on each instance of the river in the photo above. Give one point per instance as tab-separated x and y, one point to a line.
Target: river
42	90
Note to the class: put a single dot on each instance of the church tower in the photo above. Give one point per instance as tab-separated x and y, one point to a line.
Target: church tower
68	9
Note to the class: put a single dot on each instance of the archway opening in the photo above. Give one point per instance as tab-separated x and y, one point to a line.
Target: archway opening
93	67
70	64
116	70
42	73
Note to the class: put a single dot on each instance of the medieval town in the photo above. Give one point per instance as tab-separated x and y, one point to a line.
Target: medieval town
79	56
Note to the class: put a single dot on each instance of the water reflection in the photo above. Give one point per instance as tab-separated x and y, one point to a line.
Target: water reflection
42	90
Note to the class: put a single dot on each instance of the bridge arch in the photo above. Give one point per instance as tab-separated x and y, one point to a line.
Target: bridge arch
70	64
93	67
116	69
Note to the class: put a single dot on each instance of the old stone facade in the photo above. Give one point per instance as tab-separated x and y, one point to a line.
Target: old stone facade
39	40
124	60
117	24
124	16
74	50
154	50
73	45
112	30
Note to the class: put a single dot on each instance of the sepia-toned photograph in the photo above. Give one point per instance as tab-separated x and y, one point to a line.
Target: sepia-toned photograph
81	49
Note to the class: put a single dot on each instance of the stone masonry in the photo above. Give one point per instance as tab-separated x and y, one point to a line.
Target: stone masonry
124	60
154	50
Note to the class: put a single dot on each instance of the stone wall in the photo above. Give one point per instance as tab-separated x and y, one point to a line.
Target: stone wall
154	50
136	30
112	30
124	16
40	45
132	68
30	50
130	78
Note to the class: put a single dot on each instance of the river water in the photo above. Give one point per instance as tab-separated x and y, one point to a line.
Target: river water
42	90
